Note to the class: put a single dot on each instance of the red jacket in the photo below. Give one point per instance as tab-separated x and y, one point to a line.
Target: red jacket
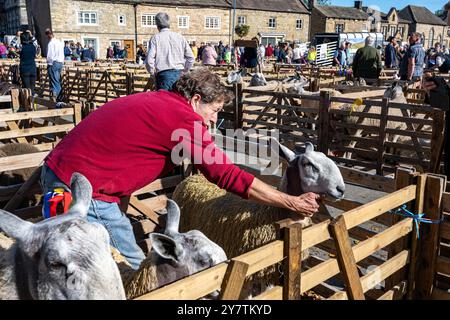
126	144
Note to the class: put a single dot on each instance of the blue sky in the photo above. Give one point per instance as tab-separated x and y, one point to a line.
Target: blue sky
432	5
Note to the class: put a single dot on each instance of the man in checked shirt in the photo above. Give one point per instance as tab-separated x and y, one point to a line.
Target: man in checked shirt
168	55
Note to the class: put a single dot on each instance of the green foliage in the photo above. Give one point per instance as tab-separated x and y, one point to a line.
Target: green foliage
242	30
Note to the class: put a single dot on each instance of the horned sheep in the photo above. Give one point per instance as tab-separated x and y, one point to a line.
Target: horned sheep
239	226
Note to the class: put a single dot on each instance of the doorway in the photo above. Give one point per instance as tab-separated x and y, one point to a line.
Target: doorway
130	50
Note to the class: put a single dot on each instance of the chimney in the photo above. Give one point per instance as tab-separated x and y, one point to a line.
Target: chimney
312	4
358	5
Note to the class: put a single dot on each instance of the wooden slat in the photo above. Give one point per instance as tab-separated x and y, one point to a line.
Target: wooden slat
160	184
443	265
263	257
233	280
292	263
445	230
446	201
37	114
439	294
330	268
191	288
35	131
396	293
5	99
346	259
275	293
22	161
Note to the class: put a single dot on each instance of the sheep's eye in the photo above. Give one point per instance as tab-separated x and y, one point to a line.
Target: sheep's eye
56	265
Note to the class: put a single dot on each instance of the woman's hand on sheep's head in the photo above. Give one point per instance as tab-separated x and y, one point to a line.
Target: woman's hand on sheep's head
306	204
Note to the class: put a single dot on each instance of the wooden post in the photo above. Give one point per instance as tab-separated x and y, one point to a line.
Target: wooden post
238	112
403	178
324	122
346	259
437	140
429	238
233	280
77	113
382	135
420	197
292	264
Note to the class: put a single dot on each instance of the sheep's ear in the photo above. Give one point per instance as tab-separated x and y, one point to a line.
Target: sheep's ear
81	195
283	151
309	147
173	218
166	247
14	227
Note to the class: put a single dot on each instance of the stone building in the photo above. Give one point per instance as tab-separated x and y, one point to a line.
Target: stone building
389	24
13	16
126	22
336	19
273	21
432	28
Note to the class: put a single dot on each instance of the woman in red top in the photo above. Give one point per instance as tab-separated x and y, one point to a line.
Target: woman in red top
127	144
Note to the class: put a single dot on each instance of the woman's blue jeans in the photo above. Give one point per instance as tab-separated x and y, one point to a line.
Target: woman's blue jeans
107	214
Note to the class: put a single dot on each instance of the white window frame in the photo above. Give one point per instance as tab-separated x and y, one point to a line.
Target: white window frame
336	27
208	26
392	31
244	18
148	15
112	42
274	22
124	23
97	41
301	24
187	22
90	17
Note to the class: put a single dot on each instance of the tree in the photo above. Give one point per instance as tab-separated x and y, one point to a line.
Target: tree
242	30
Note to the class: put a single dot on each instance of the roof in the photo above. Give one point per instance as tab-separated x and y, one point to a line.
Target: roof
384	16
342	12
293	6
420	15
290	6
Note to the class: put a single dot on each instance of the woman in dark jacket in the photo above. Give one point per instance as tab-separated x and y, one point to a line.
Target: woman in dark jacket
251	56
27	62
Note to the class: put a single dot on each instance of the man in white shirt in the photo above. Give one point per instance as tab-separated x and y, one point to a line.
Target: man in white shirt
168	55
55	62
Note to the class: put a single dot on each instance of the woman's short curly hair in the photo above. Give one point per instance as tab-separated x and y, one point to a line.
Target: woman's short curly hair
205	83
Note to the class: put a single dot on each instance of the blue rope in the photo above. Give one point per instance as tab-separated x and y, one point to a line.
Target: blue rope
418	218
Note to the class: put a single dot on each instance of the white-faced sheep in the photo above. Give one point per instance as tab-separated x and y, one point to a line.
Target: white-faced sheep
174	255
239	226
62	258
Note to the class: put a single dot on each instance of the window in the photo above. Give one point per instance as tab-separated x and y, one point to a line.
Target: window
384	30
299	24
392	31
122	20
148	20
448	32
183	22
339	27
212	23
401	30
241	20
430	38
116	43
272	22
87	17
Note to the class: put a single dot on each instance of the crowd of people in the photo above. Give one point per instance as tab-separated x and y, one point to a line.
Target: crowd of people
12	49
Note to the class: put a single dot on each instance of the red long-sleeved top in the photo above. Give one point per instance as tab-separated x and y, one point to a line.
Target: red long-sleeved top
127	143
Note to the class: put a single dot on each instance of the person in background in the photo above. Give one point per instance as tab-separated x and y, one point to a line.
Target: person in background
88	54
289	53
168	55
227	55
297	54
67	51
367	62
220	52
340	57
209	55
27	62
3	51
125	53
390	56
55	63
251	56
15	42
200	51
276	52
194	49
411	66
269	51
109	53
116	51
140	54
262	52
347	53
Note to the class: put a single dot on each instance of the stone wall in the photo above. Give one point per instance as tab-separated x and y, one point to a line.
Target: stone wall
438	31
349	25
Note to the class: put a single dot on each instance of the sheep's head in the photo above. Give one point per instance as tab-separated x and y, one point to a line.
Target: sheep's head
191	251
65	257
258	80
395	92
235	76
310	171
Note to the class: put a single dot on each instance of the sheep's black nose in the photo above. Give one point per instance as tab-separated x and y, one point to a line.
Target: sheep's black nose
340	190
